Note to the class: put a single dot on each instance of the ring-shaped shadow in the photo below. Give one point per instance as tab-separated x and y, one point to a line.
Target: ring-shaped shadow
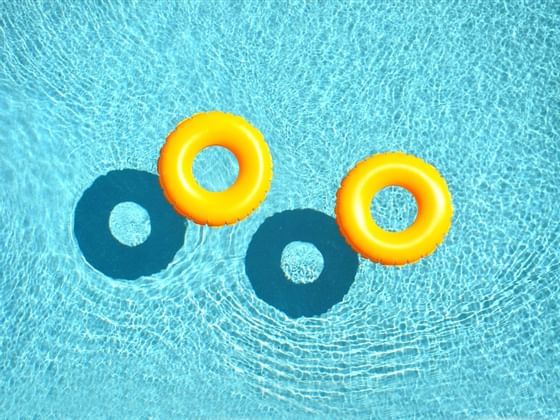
262	263
98	245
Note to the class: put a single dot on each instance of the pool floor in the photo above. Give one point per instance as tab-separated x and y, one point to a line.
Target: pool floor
198	322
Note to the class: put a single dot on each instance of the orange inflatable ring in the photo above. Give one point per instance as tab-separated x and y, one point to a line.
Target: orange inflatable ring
433	200
178	181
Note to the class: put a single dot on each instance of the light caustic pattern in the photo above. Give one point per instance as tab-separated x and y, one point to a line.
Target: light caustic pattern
471	87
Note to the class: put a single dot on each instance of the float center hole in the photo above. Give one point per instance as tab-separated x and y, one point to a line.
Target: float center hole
394	209
215	168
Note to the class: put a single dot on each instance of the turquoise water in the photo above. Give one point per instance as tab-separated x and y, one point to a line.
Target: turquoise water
471	87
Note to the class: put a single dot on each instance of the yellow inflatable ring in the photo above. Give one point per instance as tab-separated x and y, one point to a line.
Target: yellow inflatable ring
433	200
178	181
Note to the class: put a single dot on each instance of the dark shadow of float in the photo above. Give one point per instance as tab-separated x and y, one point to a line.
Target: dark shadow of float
262	262
102	250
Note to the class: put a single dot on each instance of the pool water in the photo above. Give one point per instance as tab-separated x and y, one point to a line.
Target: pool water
472	87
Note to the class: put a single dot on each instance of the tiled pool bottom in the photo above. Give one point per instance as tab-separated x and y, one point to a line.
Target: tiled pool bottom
471	332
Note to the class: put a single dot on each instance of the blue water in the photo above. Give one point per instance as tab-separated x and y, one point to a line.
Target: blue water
472	87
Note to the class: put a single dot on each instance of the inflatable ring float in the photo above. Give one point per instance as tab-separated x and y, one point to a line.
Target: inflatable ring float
182	190
422	180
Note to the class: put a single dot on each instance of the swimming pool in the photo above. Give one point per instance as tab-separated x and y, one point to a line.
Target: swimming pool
471	87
